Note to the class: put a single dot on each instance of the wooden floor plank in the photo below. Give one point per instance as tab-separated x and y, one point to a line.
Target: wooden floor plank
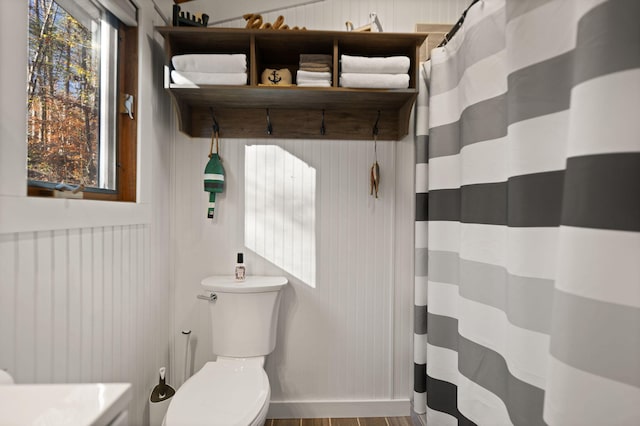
286	422
315	422
350	421
372	421
399	421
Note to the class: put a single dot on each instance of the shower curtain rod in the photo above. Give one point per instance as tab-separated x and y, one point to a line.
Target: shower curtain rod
457	25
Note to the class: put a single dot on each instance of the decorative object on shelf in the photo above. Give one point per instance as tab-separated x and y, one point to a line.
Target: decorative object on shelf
214	172
255	21
373	25
295	111
273	77
185	19
374	178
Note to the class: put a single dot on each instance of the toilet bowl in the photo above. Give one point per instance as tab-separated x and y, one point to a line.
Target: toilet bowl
233	390
227	392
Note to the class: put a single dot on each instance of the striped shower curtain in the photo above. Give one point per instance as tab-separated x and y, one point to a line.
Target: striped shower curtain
528	217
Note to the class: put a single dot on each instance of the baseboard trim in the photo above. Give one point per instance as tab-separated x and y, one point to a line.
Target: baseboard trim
342	408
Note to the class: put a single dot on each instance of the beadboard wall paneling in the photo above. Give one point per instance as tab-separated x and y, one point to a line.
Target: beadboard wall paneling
74	306
349	338
394	15
84	285
334	337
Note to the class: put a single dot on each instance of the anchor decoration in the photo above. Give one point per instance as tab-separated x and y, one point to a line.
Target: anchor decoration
274	77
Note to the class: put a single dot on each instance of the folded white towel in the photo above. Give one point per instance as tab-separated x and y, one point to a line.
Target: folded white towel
363	64
314	83
214	78
374	81
312	75
211	62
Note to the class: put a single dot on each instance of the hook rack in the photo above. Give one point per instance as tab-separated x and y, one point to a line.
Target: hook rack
375	126
269	127
323	130
216	126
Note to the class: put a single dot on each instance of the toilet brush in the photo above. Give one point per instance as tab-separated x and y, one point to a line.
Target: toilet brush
160	399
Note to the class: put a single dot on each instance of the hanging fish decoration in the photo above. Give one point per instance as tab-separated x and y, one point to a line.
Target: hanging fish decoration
374	179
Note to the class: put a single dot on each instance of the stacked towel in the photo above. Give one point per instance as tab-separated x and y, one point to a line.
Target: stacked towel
374	81
215	69
315	71
221	78
375	73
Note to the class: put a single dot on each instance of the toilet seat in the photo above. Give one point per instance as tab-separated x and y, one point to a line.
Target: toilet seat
223	393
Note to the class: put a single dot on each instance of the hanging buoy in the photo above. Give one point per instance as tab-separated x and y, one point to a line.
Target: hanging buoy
213	174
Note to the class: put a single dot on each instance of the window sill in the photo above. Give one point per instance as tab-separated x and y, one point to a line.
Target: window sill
30	214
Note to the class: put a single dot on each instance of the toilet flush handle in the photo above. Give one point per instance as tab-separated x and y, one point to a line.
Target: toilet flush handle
211	297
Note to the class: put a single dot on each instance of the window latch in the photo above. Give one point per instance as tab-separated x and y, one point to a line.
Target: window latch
127	105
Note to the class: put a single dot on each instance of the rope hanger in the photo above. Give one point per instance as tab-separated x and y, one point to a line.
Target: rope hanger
215	135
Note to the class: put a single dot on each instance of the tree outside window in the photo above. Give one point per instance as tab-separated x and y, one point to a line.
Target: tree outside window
63	96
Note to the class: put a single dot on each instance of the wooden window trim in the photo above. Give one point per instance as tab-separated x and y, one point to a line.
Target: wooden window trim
127	128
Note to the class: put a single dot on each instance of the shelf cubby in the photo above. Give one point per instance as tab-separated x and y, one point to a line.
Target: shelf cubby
295	112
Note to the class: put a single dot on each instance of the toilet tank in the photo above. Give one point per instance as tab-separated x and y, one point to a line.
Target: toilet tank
244	316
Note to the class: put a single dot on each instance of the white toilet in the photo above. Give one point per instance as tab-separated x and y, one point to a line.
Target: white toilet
234	390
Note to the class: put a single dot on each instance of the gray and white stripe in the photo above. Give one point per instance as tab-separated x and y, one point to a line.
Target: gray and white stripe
531	218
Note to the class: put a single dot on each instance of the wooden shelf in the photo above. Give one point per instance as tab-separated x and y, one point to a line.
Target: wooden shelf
295	112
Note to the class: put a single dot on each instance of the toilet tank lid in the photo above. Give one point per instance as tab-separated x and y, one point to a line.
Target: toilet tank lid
252	284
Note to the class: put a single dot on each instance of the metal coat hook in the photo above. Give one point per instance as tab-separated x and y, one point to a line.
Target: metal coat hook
216	126
375	126
323	130
269	127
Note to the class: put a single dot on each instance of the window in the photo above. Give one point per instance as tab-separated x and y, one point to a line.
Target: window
82	60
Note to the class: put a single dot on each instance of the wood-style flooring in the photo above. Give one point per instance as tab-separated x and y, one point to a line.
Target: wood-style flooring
352	421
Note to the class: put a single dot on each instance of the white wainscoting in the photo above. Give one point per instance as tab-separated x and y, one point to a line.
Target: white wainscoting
84	285
346	338
78	305
345	342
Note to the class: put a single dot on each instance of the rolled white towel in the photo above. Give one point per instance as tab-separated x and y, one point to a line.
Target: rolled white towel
214	78
312	75
363	64
374	81
228	63
314	83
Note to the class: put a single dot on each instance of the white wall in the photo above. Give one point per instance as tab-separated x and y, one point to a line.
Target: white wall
349	339
84	288
344	347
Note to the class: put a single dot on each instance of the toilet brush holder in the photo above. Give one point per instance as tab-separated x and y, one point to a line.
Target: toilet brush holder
159	400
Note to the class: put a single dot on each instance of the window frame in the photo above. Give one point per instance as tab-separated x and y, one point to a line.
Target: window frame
126	127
